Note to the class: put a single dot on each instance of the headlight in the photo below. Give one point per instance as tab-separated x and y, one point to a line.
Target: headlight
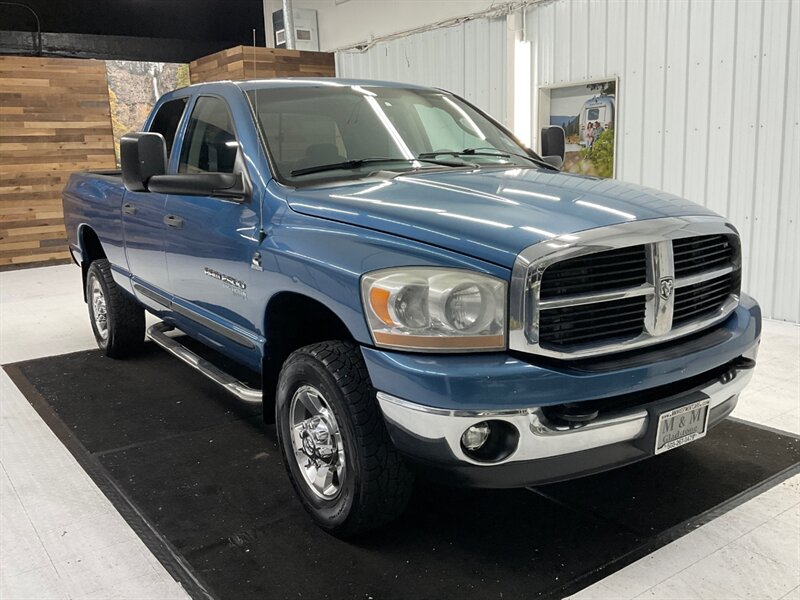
431	309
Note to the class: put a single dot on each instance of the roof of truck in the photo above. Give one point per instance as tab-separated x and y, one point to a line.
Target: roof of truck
316	81
218	87
290	82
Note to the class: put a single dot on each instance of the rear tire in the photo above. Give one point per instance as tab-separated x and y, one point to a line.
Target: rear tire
334	442
117	320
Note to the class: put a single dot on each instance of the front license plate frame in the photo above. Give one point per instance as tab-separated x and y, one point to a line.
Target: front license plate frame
682	425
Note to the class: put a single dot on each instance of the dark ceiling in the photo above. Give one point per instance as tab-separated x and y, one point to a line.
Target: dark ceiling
186	19
71	26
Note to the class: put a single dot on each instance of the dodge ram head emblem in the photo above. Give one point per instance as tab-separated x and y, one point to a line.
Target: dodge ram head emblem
665	287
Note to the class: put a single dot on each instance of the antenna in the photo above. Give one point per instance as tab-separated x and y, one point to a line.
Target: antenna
254	54
261	233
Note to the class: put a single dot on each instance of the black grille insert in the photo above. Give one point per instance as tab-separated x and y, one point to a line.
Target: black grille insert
598	272
701	254
705	298
587	323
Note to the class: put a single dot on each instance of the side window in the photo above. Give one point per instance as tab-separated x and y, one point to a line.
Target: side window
210	144
166	120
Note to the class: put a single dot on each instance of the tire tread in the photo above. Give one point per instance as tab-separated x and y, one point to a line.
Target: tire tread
126	330
388	482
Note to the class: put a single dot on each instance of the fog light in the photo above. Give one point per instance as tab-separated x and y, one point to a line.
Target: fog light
476	435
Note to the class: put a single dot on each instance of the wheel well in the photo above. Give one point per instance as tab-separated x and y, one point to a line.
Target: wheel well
291	322
91	250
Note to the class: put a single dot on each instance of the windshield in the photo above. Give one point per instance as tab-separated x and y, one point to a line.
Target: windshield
352	131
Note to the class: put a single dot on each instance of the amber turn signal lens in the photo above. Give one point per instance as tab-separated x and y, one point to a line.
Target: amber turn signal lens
379	300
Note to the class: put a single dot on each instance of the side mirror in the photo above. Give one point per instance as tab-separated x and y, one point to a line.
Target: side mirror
142	156
554	143
219	185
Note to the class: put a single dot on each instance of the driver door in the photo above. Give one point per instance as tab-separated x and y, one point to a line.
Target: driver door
210	242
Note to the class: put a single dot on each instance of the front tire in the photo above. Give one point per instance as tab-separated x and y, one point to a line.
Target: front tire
117	320
334	442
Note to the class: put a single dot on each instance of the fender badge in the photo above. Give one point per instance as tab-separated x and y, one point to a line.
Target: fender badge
226	279
255	263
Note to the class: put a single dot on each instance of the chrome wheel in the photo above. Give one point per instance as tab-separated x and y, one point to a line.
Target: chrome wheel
99	310
317	442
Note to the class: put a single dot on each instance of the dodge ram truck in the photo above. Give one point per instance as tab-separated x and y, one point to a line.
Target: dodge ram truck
414	291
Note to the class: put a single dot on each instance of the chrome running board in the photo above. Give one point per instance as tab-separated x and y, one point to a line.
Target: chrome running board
158	333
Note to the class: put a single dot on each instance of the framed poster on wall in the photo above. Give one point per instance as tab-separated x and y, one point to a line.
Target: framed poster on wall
133	89
588	113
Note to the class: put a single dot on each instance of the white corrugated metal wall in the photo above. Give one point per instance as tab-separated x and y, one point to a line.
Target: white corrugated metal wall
709	103
468	59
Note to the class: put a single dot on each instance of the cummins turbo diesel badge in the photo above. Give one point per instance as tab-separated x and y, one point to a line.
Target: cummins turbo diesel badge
225	278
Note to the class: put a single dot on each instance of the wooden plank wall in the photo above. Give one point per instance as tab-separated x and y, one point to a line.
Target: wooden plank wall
54	119
247	62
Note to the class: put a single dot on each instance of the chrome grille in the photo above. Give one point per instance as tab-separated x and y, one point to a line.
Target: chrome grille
624	286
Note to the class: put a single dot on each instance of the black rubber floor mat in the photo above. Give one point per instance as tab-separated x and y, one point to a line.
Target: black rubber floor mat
200	479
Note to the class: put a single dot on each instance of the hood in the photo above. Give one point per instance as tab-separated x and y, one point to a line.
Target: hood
490	214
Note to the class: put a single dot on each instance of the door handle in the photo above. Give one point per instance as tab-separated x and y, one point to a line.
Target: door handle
129	209
173	221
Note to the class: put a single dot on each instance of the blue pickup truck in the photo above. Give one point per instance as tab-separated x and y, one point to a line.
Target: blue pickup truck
414	291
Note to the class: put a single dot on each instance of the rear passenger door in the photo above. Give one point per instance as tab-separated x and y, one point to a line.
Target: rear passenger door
211	242
143	221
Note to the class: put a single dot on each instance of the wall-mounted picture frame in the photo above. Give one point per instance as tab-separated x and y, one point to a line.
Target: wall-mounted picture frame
588	111
133	89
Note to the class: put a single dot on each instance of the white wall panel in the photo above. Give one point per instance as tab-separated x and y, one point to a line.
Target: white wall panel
632	84
655	80
698	77
468	59
562	29
771	127
744	123
721	94
353	22
709	94
787	257
596	49
580	34
675	91
615	52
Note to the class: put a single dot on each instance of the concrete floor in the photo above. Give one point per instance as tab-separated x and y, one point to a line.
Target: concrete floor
61	538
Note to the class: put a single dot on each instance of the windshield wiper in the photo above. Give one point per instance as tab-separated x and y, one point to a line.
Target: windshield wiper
360	162
498	153
538	161
466	152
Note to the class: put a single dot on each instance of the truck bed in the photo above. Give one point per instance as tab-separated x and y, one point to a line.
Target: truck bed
95	198
106	173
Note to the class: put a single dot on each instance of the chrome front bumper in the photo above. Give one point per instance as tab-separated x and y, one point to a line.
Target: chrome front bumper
433	435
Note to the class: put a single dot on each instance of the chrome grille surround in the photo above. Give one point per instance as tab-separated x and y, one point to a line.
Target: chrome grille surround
656	236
